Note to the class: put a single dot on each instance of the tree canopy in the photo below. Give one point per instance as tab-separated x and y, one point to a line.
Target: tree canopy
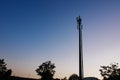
46	70
4	72
110	72
3	68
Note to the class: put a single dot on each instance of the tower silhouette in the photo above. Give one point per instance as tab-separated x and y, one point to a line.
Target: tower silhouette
79	26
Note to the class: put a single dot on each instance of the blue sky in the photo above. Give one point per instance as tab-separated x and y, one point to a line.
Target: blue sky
34	31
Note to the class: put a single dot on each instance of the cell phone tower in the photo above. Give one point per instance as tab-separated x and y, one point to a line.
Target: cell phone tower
79	27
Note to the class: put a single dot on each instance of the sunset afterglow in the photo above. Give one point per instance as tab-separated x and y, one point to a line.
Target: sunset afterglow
35	31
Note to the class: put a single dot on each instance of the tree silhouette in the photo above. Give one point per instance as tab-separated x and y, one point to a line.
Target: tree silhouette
46	70
74	77
4	72
3	68
111	72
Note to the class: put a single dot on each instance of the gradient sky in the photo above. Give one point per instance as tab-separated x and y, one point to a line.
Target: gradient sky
35	31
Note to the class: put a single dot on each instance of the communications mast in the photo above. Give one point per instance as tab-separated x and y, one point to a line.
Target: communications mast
79	26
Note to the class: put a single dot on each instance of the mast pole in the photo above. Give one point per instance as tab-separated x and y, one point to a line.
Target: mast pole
80	48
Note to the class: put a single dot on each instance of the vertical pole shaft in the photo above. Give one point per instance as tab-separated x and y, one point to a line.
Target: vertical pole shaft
80	49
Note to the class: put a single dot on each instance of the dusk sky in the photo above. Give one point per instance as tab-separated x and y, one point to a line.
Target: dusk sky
35	31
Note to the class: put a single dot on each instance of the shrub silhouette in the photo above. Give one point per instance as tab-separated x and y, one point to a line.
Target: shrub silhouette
74	77
46	70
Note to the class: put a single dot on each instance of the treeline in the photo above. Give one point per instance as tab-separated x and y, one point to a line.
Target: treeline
46	72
